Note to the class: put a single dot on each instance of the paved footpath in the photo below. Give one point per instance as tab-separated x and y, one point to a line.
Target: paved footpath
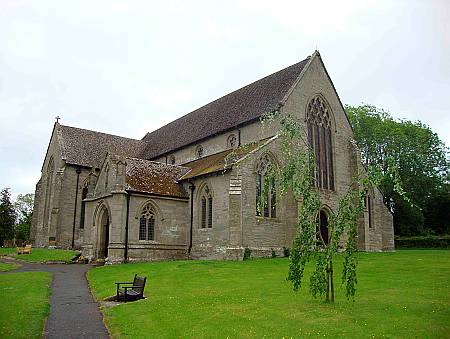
73	312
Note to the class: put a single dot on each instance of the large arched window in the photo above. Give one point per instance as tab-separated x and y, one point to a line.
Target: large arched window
48	189
147	223
270	199
318	118
206	208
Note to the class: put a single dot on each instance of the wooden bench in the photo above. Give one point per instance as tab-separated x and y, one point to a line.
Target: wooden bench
134	290
24	250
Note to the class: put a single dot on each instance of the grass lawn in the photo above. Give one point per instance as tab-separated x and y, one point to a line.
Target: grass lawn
7	266
401	294
24	304
41	254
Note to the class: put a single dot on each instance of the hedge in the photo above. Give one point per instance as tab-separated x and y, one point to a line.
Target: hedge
425	241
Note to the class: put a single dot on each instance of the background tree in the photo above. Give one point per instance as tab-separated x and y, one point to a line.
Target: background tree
7	216
24	210
421	159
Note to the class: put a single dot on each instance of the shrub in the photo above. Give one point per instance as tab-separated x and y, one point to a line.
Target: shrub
286	252
423	241
247	253
274	255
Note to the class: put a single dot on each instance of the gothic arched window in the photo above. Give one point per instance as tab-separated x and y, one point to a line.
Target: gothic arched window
147	223
270	199
206	208
318	118
368	207
48	189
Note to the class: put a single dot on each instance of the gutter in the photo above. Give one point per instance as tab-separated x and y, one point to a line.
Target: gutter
192	188
78	171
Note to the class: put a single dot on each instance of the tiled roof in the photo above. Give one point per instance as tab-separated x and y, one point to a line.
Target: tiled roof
155	177
88	148
220	161
237	108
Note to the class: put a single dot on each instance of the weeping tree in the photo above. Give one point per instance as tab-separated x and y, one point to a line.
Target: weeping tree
297	173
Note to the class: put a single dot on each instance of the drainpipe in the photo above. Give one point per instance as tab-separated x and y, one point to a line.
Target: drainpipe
125	254
78	171
239	137
192	188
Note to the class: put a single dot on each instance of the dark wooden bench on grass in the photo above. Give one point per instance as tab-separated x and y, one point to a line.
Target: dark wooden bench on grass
134	290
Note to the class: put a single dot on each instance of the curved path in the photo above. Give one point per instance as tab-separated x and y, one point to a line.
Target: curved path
73	312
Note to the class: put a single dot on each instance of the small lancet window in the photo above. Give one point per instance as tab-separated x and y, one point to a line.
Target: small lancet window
318	120
106	176
147	223
84	193
270	199
206	208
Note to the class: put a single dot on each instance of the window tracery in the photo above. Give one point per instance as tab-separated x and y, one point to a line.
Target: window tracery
147	223
318	118
270	199
206	208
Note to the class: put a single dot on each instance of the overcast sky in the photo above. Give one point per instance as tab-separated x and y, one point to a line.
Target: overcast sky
129	67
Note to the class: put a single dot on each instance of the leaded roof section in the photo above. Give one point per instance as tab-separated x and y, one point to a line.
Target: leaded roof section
88	148
235	109
155	178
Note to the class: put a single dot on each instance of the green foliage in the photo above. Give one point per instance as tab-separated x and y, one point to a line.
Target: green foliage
273	254
247	253
421	159
295	174
424	241
24	211
7	216
286	252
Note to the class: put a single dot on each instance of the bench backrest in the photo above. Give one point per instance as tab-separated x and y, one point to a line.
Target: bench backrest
139	283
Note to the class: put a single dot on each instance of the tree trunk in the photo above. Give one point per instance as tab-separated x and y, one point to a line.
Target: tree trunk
331	281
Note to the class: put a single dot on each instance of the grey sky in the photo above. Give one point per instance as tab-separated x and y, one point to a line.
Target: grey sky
128	67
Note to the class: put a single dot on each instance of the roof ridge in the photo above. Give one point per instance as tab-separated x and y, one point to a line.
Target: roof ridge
225	95
108	134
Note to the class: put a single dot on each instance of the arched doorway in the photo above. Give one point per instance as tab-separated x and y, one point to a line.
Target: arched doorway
103	233
323	227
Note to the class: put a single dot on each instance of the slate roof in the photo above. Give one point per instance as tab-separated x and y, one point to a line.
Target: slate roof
88	148
237	108
221	161
155	177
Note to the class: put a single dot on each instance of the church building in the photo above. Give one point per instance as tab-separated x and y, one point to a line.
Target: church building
190	188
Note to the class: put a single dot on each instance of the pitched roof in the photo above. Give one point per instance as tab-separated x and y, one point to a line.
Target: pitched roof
155	177
88	148
237	108
221	161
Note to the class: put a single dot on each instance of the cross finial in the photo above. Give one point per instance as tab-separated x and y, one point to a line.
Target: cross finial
57	118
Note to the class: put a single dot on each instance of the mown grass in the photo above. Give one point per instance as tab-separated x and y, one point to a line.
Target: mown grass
402	294
41	254
8	266
24	304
